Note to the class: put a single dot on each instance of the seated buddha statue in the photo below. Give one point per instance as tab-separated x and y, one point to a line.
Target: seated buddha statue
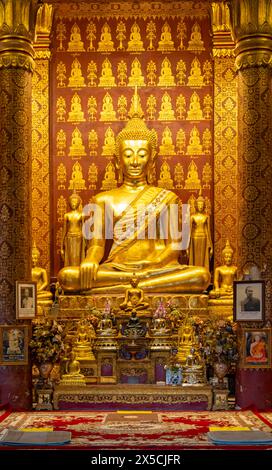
72	369
105	326
132	209
39	275
134	297
134	326
224	276
85	335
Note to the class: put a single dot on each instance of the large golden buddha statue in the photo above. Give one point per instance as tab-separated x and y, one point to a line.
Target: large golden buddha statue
137	209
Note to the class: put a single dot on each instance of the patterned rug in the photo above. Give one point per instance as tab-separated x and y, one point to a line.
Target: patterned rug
101	430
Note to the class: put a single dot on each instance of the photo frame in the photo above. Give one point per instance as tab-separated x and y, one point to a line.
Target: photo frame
248	302
26	300
256	348
14	344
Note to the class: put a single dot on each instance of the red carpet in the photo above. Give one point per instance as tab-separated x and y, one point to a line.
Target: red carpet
162	431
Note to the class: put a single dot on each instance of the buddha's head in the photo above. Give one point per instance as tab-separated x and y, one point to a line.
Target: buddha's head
74	201
35	255
134	281
227	254
200	204
136	146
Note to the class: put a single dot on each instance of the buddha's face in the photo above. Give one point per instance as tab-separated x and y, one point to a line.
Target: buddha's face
74	203
35	258
200	206
134	158
228	258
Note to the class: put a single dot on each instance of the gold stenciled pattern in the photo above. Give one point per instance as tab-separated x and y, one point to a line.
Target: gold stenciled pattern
94	88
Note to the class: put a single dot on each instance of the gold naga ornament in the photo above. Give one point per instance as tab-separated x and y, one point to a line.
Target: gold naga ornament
208	106
61	176
75	44
106	79
122	107
91	35
92	108
151	73
166	78
76	114
151	34
106	43
181	34
92	73
61	209
122	73
181	106
92	176
61	35
207	175
207	141
181	72
77	148
121	35
151	105
157	266
77	182
179	175
135	43
166	43
181	141
76	80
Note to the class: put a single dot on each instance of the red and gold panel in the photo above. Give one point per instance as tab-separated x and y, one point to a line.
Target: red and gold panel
98	56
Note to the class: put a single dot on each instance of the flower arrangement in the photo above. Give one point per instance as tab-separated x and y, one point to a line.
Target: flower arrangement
47	343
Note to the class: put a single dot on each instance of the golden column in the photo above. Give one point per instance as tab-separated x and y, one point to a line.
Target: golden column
251	22
17	22
225	133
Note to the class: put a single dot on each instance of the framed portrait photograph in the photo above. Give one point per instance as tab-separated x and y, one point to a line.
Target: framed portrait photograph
13	344
26	300
256	346
248	304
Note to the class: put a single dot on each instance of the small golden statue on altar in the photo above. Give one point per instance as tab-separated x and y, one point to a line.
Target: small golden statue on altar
166	43
194	371
39	275
106	43
200	247
134	326
84	339
155	261
105	325
76	114
73	375
186	340
75	44
135	43
73	243
224	277
134	297
160	321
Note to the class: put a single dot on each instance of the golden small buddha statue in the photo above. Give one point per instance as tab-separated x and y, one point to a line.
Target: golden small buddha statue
167	147
76	79
77	148
194	147
76	114
106	43
224	276
166	43
200	247
165	180
196	44
192	181
195	78
73	375
154	260
107	79
134	297
186	340
107	113
166	113
105	326
109	143
166	78
194	112
109	182
84	338
72	244
77	182
136	78
39	275
75	44
135	42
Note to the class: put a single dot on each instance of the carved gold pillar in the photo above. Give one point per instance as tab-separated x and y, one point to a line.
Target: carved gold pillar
17	20
225	133
40	136
252	29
